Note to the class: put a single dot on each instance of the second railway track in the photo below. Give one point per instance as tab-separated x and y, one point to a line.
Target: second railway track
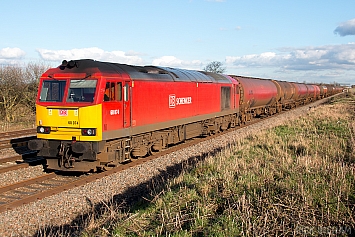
14	152
30	190
16	138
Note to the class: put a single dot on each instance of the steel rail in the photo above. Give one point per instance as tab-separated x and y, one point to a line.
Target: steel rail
10	159
13	167
31	131
21	160
15	142
27	182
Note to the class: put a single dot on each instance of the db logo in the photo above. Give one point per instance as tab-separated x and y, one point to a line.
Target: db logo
63	112
171	101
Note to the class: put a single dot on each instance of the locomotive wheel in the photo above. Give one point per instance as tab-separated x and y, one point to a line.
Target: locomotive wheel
152	151
107	168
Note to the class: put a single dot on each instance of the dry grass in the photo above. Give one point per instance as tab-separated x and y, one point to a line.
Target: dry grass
296	179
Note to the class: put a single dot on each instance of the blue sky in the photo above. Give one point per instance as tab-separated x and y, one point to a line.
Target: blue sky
312	41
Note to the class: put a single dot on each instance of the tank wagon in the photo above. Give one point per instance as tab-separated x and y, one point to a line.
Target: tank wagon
287	94
257	97
93	115
323	91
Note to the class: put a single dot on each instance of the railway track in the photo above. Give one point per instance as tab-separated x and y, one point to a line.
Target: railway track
16	142
15	139
19	161
17	194
30	190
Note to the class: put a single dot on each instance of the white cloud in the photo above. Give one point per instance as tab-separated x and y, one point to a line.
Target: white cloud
130	57
172	61
91	53
346	28
11	53
309	58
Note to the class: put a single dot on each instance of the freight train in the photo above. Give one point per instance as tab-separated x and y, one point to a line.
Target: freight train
93	115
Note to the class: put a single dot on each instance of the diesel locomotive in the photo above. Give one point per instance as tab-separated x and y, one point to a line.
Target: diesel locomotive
93	115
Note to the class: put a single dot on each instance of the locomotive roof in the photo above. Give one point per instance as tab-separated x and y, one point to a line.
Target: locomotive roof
152	73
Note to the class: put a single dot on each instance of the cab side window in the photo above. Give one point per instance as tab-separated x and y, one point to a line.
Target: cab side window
125	89
119	91
113	91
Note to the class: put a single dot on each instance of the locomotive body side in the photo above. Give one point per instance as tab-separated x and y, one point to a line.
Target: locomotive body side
173	101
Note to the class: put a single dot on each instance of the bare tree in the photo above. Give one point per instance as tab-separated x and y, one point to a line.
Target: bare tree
11	89
18	90
32	72
215	66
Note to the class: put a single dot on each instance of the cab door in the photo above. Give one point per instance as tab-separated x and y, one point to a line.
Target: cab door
113	106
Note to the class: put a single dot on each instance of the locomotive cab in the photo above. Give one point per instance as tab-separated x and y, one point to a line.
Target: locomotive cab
73	109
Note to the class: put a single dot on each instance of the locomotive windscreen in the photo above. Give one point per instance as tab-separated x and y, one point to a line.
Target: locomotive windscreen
52	91
82	90
78	91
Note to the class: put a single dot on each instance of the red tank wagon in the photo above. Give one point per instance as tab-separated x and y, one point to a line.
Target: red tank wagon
323	91
311	93
330	89
301	93
287	92
257	96
317	92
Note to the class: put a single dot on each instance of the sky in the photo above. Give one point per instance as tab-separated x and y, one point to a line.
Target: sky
302	41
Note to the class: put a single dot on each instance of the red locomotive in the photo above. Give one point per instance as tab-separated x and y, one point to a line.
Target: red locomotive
92	115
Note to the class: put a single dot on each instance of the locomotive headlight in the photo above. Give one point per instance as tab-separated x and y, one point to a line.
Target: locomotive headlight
88	132
45	130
